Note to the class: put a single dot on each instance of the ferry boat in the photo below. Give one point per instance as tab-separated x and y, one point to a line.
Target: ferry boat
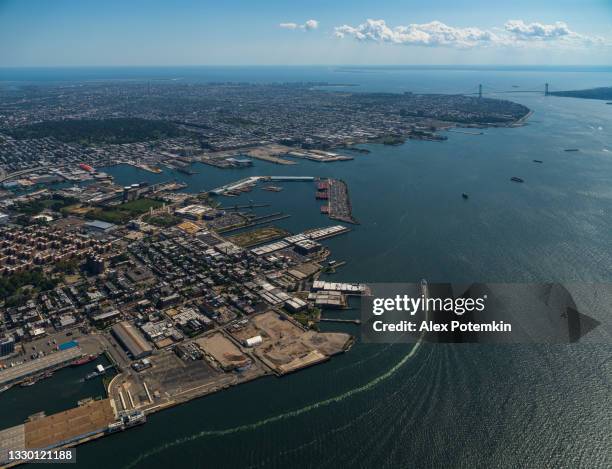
127	420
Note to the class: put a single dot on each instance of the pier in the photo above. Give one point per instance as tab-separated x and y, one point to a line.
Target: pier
238	207
339	205
253	180
346	321
466	132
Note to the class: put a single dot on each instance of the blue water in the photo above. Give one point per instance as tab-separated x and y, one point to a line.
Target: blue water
446	405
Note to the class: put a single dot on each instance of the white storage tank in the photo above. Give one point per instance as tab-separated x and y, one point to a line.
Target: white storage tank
253	341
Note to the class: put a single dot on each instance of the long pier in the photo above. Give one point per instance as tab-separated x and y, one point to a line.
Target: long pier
339	202
467	132
253	180
238	207
350	321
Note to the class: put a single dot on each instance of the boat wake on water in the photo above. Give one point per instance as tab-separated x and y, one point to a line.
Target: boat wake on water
287	415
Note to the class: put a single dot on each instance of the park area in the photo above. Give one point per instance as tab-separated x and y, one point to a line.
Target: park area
123	213
258	236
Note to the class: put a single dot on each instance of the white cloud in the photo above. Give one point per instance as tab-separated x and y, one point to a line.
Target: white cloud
307	26
311	24
436	33
428	34
558	31
525	31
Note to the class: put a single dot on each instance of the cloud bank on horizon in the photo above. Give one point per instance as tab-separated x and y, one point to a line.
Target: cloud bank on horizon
307	26
436	33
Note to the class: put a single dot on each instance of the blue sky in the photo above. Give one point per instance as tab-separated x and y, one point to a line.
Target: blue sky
271	32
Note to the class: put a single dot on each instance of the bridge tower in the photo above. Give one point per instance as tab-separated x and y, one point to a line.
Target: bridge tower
546	89
480	91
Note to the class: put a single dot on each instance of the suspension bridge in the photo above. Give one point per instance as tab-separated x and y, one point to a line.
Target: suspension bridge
485	89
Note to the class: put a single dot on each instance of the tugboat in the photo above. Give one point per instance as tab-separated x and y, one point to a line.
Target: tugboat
465	196
516	179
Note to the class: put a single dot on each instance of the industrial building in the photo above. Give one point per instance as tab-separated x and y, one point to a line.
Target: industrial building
7	346
194	212
98	226
240	162
132	340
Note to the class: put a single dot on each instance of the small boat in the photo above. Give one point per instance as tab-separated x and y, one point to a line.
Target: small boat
465	196
538	161
4	388
571	149
272	188
516	179
28	382
92	375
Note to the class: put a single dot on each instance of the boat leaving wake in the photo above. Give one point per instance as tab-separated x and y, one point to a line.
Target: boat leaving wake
294	413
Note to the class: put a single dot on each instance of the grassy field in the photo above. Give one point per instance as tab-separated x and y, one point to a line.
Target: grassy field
124	212
163	219
34	207
258	236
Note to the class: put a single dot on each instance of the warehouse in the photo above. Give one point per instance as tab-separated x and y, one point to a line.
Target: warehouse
132	340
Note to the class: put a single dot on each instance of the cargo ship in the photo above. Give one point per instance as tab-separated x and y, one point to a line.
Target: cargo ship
83	360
